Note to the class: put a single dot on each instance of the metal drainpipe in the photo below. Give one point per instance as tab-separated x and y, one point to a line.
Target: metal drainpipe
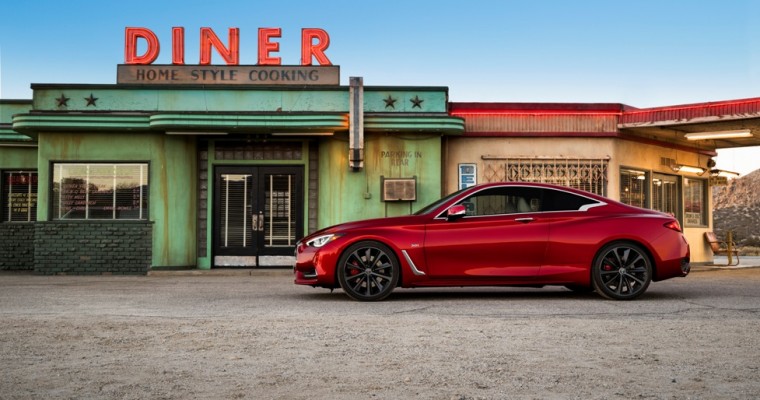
356	123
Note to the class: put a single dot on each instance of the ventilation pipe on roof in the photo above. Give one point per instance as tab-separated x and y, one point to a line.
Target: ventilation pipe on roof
356	123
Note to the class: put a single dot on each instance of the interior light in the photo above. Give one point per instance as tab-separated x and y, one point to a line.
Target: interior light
741	133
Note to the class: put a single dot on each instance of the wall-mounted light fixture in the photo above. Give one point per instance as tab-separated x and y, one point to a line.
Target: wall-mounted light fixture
741	133
724	173
687	168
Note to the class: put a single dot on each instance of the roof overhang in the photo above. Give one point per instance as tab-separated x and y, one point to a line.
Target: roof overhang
724	120
304	124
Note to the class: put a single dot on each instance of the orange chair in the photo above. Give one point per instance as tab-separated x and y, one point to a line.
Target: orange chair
720	247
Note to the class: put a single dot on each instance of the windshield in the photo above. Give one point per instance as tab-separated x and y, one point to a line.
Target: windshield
438	203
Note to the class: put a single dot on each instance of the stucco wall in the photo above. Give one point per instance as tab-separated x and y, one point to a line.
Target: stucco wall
471	150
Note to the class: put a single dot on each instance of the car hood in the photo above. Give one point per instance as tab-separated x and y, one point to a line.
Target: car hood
370	223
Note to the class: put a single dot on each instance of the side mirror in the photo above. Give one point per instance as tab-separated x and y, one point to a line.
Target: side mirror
455	212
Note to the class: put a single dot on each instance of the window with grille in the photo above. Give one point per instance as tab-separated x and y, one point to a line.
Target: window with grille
633	187
694	196
19	194
279	210
100	191
584	174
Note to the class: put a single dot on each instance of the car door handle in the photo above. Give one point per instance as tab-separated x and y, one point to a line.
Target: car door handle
524	220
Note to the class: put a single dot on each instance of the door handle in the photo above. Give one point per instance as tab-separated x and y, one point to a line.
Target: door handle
257	222
524	220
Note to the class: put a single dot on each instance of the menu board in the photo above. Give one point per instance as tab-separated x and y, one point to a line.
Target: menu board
20	192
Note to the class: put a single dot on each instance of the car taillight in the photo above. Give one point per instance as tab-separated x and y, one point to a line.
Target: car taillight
674	225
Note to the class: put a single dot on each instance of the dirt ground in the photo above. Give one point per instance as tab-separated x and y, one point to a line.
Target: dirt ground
258	336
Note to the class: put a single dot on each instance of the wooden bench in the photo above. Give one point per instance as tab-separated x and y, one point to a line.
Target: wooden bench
720	247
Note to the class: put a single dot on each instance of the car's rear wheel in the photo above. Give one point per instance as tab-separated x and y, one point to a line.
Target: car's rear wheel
622	271
368	271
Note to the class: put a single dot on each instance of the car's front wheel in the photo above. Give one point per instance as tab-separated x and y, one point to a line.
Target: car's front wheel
622	271
368	271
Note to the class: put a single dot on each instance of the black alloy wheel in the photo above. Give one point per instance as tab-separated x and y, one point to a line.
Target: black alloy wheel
622	271
368	271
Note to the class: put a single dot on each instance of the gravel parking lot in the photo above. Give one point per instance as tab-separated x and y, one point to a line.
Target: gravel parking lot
259	336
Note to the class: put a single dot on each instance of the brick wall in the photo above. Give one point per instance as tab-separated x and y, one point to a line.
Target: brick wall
16	246
93	247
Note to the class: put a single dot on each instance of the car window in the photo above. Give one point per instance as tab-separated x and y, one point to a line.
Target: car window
503	200
432	206
555	200
519	200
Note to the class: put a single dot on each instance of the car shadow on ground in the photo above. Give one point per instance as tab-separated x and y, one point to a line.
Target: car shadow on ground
489	293
438	294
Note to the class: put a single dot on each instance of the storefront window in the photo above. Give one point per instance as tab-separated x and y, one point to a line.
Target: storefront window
665	194
695	195
100	191
19	194
633	187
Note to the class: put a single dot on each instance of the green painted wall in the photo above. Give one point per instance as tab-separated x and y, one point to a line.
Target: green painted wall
345	195
10	107
173	187
262	99
12	157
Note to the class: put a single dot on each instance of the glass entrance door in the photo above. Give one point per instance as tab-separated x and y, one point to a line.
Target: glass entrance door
258	215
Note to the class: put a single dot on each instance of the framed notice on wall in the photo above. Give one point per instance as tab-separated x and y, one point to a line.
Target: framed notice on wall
468	175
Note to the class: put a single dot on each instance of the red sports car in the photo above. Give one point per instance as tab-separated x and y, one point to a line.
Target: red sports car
501	234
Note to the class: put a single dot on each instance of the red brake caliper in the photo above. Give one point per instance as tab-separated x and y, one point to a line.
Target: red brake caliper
354	271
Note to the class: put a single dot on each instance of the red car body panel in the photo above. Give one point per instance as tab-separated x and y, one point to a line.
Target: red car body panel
528	248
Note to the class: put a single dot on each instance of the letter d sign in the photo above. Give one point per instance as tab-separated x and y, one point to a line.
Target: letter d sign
130	46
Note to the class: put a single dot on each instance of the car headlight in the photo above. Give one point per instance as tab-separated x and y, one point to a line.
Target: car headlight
320	241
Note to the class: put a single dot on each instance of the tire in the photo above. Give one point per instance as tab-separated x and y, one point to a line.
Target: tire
368	271
621	271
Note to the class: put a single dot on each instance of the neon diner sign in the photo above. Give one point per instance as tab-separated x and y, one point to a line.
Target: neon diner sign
314	43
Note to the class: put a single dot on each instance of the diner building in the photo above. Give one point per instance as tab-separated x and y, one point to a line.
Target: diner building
149	173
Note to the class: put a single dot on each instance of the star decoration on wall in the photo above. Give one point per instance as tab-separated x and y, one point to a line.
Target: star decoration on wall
416	102
91	100
63	101
390	102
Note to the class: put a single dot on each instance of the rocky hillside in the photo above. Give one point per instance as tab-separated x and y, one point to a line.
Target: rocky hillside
736	207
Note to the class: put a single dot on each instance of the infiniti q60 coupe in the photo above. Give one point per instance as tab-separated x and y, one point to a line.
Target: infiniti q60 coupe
500	234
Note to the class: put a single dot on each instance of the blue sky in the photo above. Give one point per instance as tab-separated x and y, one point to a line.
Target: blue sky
643	53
